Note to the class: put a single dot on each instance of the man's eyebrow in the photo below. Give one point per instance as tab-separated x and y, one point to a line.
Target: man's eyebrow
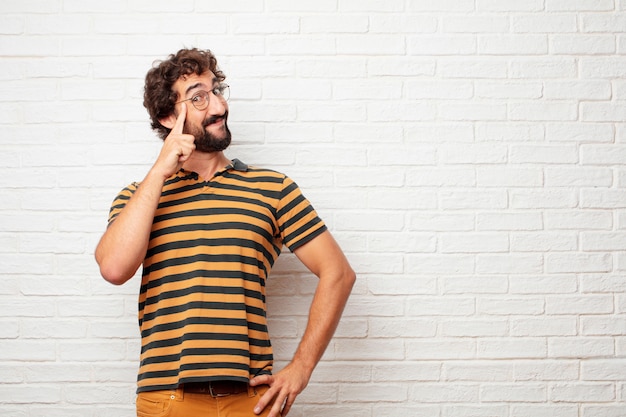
196	85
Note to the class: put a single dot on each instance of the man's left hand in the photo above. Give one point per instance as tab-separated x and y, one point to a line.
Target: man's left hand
285	386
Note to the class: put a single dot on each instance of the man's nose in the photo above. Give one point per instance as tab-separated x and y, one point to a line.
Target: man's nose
217	104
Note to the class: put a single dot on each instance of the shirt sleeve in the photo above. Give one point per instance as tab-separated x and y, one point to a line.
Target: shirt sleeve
121	200
297	219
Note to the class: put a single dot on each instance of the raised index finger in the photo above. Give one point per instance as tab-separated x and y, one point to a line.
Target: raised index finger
180	120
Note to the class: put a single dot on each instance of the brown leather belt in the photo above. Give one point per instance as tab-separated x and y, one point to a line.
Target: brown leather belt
216	388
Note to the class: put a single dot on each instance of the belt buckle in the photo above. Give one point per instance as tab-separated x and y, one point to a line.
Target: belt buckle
213	394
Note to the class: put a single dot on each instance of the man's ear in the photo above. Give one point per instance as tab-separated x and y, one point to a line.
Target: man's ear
168	121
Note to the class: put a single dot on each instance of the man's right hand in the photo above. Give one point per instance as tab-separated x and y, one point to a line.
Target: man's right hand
177	148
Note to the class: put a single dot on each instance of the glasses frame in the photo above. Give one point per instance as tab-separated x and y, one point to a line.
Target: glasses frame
218	91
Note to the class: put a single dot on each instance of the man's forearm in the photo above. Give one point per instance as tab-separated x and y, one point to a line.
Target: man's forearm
123	246
326	309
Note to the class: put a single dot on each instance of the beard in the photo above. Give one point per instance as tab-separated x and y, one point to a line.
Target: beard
209	142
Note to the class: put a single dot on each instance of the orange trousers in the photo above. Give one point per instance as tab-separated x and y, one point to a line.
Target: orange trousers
177	403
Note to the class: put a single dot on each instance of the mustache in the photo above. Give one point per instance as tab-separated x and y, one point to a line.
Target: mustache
210	120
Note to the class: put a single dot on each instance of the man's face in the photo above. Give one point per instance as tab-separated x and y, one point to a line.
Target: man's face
208	126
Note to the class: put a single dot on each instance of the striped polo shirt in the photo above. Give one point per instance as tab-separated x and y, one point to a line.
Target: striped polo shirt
202	310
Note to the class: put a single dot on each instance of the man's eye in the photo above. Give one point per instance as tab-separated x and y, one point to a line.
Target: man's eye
197	99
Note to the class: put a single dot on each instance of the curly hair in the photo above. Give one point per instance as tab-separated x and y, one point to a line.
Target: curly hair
158	97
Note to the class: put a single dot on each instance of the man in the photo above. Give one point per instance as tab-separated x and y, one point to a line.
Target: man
207	231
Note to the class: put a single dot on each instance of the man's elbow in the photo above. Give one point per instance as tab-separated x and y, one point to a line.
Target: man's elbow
349	278
112	273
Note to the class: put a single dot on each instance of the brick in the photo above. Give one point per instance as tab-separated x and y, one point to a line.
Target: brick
508	177
394	242
395	110
603	112
329	24
545	111
400	66
430	349
602	198
474	328
473	200
429	45
475	111
536	410
543	242
518	348
441	222
576	347
603	370
582	45
300	6
452	306
373	393
474	285
602	67
582	392
580	219
526	44
601	22
407	372
23	394
473	154
479	23
405	23
503	306
579	5
478	371
580	132
602	241
509	221
577	90
97	394
421	90
543	327
544	23
555	198
550	284
440	177
509	264
384	349
542	68
551	370
402	285
509	90
509	6
527	393
433	264
594	283
371	6
391	45
603	410
444	393
473	243
598	154
607	325
473	68
578	177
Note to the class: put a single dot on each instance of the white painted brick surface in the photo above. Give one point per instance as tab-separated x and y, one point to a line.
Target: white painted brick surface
467	154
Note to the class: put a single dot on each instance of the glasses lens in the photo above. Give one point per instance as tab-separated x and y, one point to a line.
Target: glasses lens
200	101
225	91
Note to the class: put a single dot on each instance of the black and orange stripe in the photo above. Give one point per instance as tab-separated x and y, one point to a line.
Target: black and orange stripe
202	310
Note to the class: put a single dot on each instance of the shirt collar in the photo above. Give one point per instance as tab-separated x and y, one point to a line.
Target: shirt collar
237	165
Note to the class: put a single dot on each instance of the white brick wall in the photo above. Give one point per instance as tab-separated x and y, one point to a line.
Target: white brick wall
468	155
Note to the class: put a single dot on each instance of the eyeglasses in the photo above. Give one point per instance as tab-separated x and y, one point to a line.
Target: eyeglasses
201	99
